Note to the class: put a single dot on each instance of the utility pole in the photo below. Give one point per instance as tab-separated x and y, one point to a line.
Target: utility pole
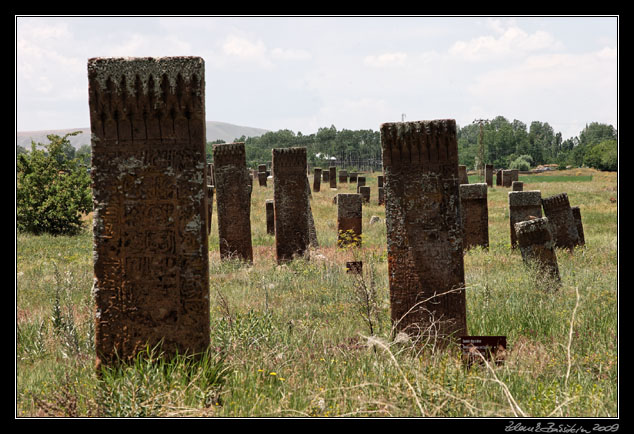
481	122
402	117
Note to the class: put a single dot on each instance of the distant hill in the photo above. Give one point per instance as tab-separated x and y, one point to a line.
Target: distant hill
215	131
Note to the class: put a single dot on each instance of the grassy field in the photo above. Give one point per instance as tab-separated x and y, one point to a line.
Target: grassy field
307	339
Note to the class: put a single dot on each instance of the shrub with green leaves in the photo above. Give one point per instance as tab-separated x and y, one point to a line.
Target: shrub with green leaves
53	191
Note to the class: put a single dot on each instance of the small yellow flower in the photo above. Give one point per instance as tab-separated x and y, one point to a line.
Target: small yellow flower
273	373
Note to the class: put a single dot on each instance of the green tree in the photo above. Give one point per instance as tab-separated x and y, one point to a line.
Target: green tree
53	191
602	156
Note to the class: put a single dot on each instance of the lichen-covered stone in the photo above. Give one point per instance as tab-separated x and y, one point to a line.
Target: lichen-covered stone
523	205
557	209
475	215
537	246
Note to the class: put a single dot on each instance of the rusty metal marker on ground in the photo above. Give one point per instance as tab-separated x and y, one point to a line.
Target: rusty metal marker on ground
151	264
424	231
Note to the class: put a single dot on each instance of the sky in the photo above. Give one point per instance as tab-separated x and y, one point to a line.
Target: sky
355	72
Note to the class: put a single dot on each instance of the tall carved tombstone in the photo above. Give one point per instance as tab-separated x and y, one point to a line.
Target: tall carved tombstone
475	215
151	264
557	209
523	205
424	230
488	174
291	203
317	179
270	217
233	202
262	179
333	176
349	219
498	177
536	244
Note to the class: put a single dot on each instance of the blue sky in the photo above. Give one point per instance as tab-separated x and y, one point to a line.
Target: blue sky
303	73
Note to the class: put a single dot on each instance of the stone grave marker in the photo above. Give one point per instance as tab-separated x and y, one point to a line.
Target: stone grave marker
557	209
151	263
537	246
333	176
462	174
233	202
576	212
364	191
424	230
349	219
475	215
317	180
270	217
523	205
488	174
343	176
291	203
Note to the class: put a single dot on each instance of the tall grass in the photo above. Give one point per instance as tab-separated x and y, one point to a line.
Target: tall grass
307	339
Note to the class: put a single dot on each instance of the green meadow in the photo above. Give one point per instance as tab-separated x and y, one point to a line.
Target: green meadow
308	339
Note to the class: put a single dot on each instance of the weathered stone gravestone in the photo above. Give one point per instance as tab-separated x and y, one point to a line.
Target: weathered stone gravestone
576	212
557	209
507	178
151	264
211	178
498	178
291	203
262	179
488	174
475	215
379	180
325	176
349	219
312	232
262	168
536	244
233	201
424	230
270	217
317	179
462	174
343	176
360	183
517	186
381	193
364	191
333	176
353	177
523	205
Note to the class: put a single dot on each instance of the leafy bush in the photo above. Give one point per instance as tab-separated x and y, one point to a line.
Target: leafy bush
602	156
523	162
53	191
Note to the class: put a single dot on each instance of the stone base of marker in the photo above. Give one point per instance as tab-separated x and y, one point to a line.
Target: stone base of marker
537	246
475	215
349	220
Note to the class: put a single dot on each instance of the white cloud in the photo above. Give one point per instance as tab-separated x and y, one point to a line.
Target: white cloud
510	42
240	48
290	54
384	60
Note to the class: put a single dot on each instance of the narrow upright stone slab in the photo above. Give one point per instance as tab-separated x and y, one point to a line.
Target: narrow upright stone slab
462	174
379	180
364	191
507	178
233	202
151	263
343	176
576	212
381	193
291	203
262	179
349	219
498	178
270	217
475	215
424	230
557	209
536	244
333	176
325	175
488	174
210	207
317	180
360	183
210	173
523	205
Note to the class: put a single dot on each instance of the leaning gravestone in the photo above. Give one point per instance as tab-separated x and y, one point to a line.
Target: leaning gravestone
424	231
557	209
537	246
576	212
291	203
233	202
475	215
523	205
349	219
151	264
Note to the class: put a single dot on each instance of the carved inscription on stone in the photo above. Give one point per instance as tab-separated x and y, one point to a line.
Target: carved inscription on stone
233	202
150	205
291	203
424	230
